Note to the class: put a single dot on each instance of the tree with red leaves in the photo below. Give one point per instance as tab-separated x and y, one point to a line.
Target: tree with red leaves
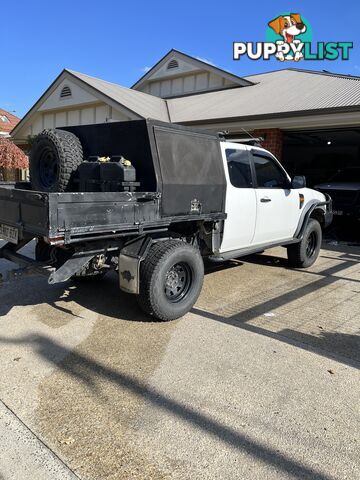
11	158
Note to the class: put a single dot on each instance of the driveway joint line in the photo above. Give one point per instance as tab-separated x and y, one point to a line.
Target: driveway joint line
39	439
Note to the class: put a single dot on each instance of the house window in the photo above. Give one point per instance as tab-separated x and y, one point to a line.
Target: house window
172	64
65	92
4	119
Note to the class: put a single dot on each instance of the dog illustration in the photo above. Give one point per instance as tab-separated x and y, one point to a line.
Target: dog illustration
288	26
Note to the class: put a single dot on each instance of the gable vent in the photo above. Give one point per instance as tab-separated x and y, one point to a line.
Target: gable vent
65	92
172	64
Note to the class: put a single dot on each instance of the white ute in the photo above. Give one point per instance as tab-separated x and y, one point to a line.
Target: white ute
178	195
265	207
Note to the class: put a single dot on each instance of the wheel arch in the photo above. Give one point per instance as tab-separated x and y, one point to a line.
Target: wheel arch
132	254
314	211
318	214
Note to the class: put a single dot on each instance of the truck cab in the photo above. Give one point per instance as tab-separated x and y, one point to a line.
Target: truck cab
263	205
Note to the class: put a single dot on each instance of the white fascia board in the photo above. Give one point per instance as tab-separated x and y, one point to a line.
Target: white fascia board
306	122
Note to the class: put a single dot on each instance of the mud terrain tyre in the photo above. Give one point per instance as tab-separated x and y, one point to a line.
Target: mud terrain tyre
54	158
305	253
171	278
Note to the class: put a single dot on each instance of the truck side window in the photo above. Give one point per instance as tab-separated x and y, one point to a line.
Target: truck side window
268	173
239	168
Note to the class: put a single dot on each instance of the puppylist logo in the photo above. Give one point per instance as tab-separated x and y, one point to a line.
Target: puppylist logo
289	37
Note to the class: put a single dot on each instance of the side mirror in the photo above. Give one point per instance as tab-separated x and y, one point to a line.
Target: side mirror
299	181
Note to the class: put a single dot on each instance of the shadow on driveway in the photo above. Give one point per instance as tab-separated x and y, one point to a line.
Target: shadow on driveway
342	347
85	370
104	298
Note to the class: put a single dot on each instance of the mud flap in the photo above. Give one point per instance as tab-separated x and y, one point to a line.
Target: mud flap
129	264
129	273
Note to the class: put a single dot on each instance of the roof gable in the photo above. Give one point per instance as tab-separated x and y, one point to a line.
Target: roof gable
175	65
76	94
135	104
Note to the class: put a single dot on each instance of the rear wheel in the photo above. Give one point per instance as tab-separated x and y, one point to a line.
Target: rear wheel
171	278
305	253
54	159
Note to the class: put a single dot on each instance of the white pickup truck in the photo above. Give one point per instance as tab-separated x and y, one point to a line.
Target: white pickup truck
179	196
265	207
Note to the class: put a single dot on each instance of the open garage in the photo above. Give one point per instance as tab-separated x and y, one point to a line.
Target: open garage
320	154
330	161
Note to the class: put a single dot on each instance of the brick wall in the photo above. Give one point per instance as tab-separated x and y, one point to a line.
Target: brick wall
273	140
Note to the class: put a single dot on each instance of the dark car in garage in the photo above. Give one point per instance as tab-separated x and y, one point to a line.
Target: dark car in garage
344	189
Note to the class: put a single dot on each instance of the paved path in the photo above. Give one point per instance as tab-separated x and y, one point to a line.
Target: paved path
259	381
24	455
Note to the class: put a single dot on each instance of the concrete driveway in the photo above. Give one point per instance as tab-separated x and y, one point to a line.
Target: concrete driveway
259	381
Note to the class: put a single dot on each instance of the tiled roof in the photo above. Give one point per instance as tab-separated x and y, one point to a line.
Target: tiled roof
8	126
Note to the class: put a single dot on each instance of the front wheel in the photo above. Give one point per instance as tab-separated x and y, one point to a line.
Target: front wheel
171	278
305	253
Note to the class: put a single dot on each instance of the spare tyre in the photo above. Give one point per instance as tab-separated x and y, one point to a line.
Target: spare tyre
54	158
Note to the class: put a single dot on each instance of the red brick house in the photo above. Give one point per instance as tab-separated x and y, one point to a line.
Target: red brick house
8	122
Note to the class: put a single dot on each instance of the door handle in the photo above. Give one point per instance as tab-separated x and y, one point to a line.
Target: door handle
265	199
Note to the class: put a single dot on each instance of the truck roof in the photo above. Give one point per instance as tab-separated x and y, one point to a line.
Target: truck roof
243	146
